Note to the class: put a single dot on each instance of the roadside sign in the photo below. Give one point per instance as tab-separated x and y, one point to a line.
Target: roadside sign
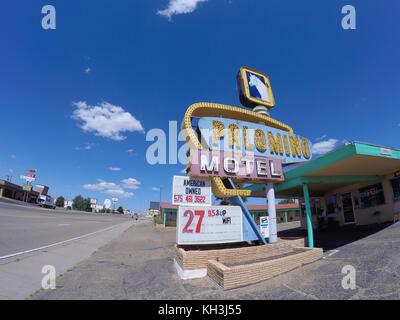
214	224
107	203
254	88
264	226
257	169
27	188
191	191
386	152
254	138
30	176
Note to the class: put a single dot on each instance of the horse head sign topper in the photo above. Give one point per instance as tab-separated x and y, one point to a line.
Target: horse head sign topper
254	88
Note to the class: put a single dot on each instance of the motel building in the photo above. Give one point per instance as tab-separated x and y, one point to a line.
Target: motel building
356	185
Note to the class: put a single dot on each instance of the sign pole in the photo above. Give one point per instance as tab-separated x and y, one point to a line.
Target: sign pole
273	237
270	193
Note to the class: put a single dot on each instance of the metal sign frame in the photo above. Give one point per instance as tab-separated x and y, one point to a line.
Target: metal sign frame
244	89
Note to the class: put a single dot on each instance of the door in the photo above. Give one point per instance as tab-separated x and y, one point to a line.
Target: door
348	208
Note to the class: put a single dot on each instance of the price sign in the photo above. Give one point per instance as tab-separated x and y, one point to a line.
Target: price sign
191	191
207	225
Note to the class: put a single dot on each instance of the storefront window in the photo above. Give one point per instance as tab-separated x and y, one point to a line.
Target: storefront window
315	208
372	196
396	189
331	204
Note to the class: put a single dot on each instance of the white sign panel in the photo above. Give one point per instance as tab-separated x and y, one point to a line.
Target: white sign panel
208	225
264	226
191	191
107	203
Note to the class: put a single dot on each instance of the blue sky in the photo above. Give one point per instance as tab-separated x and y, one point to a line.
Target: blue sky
329	84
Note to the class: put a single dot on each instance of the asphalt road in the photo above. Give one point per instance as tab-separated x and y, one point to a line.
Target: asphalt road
26	228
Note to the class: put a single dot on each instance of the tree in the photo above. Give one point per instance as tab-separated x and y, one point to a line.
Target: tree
120	210
60	202
81	204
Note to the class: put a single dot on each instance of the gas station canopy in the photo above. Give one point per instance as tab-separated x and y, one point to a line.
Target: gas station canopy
354	163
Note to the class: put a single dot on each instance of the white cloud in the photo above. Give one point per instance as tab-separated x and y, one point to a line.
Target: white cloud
88	70
87	147
156	189
180	7
109	188
105	120
114	169
130	151
324	146
131	183
119	193
321	137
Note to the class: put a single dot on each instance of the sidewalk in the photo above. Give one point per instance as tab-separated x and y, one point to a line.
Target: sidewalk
139	265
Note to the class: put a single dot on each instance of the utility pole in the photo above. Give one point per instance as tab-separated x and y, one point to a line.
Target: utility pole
160	188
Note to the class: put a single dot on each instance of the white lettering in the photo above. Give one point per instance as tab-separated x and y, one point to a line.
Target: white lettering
262	169
209	167
230	169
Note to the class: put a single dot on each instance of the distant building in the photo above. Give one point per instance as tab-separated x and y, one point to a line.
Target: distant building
98	208
13	191
41	189
154	209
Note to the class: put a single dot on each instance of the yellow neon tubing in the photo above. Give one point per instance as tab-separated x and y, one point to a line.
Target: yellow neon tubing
207	109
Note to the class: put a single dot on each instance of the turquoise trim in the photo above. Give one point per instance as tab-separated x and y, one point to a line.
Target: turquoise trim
377	151
165	218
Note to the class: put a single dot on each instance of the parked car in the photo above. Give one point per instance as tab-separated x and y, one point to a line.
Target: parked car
46	202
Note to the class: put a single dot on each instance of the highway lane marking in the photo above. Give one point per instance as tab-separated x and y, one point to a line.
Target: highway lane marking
57	243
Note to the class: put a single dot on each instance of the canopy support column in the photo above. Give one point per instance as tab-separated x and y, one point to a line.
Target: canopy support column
308	215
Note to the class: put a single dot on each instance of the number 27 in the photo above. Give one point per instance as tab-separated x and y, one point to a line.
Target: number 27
189	213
